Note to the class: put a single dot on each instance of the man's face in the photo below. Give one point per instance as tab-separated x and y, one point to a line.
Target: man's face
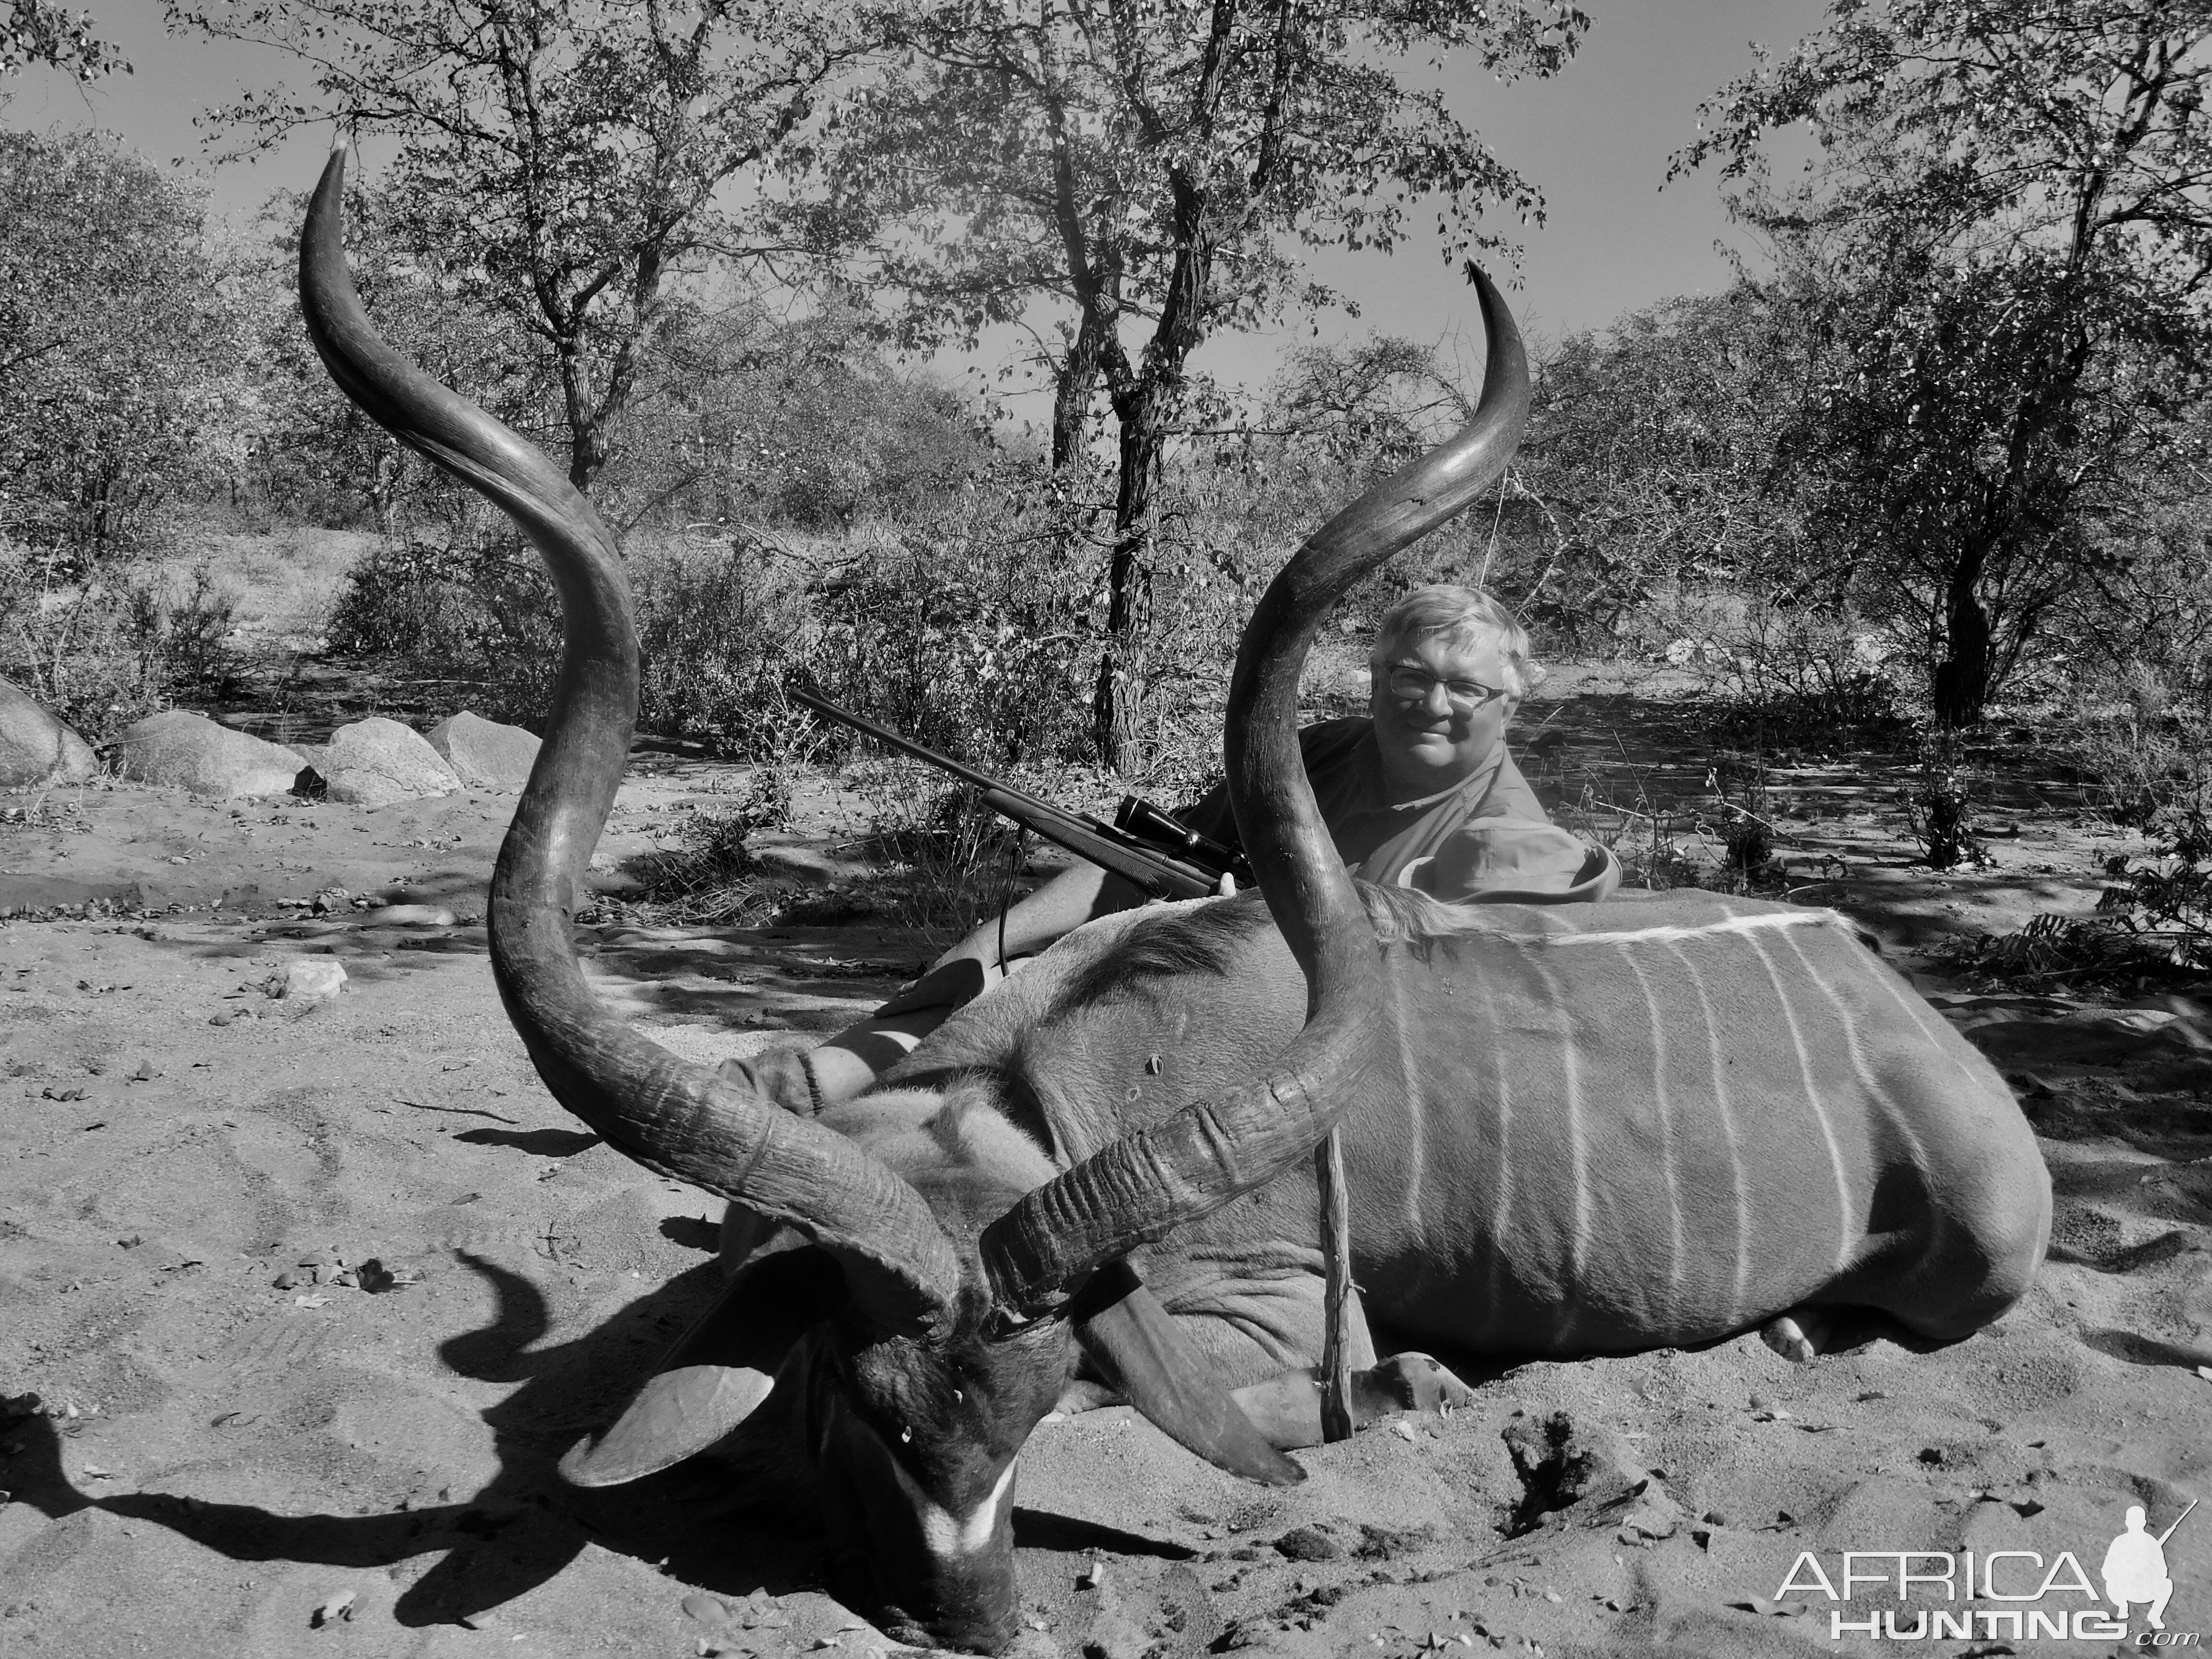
1428	737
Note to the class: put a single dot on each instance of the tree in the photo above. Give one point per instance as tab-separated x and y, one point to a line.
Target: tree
40	32
1655	455
562	161
121	344
319	454
2006	240
1143	169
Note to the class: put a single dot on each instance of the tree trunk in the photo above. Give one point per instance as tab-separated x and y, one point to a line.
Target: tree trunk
1117	705
1962	679
1071	401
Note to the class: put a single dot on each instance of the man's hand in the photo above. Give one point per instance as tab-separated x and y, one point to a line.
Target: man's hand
954	982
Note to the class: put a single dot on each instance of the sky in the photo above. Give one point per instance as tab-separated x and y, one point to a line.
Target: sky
1595	139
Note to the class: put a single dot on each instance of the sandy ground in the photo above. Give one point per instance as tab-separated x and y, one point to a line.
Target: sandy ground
246	1442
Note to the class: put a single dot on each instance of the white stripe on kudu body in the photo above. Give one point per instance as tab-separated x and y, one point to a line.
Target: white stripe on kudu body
1843	1209
1725	1115
1667	934
1677	1257
1577	1148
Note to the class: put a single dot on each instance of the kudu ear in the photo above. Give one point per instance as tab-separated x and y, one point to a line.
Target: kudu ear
1123	1325
719	1372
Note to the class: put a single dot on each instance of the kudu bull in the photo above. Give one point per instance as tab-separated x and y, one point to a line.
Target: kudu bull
1573	1130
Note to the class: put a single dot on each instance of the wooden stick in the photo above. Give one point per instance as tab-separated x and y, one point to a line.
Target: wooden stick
1336	1290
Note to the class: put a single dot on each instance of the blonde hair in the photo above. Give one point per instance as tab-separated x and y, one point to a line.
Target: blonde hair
1461	616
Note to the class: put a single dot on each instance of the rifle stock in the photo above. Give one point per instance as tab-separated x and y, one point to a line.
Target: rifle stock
1156	874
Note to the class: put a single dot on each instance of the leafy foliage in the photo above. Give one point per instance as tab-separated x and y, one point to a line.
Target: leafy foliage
2005	244
1653	461
122	361
1145	167
41	32
318	458
563	163
971	626
744	418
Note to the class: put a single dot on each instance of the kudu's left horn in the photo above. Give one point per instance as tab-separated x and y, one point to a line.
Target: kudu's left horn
1143	1185
677	1118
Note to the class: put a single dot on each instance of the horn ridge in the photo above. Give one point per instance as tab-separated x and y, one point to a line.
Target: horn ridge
677	1118
1136	1190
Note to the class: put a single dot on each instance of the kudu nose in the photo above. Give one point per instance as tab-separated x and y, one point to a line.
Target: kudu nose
966	1632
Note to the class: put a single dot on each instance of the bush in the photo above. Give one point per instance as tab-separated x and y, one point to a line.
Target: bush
2146	739
2153	928
102	652
948	859
474	607
973	631
711	876
1797	674
724	624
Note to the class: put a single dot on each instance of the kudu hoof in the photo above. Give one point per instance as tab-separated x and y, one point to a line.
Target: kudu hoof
1796	1337
1415	1382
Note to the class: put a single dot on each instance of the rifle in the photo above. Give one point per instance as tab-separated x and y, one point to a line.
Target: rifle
1144	846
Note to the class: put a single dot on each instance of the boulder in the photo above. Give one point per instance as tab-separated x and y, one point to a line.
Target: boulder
208	759
484	754
378	762
37	749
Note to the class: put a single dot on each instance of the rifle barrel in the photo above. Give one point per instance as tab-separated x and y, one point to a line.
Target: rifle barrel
883	733
1079	833
2177	1520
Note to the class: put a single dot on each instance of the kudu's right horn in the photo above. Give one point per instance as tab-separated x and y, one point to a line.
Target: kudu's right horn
1145	1185
675	1118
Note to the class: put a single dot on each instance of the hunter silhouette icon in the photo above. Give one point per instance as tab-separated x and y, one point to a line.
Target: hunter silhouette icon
2134	1567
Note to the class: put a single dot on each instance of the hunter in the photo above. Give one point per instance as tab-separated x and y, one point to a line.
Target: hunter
1420	792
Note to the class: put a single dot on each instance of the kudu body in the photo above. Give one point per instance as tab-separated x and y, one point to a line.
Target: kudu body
1542	1160
1588	1128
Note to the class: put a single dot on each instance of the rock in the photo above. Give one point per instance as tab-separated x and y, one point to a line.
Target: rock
313	978
484	754
1308	1544
37	749
408	915
378	762
1562	1463
1650	1516
182	748
707	1609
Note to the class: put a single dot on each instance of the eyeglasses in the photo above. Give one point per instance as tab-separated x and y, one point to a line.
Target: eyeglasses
1465	696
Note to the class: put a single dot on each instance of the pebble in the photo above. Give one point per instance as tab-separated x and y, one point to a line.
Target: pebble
338	1607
